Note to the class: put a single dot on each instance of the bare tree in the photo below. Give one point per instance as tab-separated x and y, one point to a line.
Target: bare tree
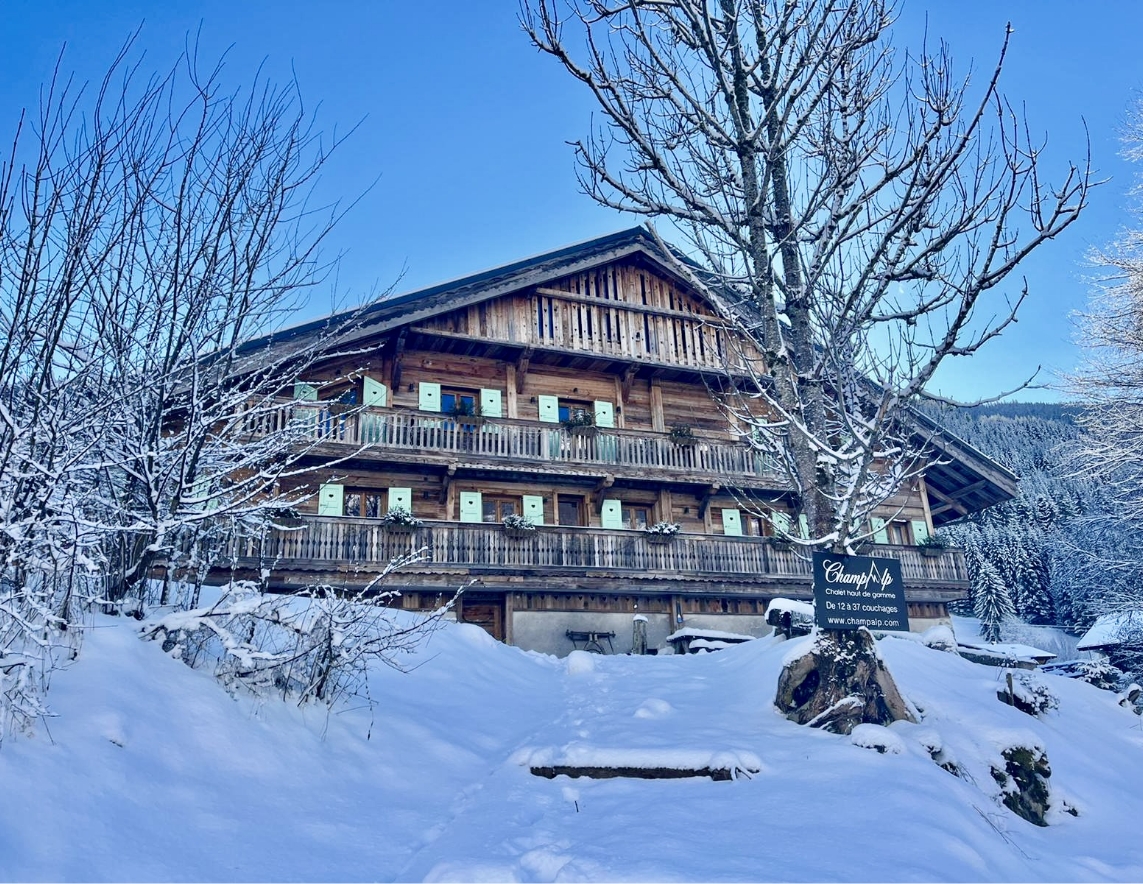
151	229
860	207
1110	449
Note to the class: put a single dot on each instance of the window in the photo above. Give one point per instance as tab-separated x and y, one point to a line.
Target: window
495	507
570	510
570	409
458	402
899	533
636	516
367	503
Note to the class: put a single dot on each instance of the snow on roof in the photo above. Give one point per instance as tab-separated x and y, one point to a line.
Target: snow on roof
1010	649
1111	629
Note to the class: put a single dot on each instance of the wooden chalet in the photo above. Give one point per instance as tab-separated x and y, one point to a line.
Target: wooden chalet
571	388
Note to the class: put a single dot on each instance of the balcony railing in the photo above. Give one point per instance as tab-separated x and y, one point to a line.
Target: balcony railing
524	441
367	544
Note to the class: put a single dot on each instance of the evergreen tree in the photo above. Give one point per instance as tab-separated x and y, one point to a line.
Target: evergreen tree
992	603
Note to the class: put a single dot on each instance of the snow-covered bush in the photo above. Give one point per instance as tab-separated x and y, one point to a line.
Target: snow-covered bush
314	645
402	517
1027	693
518	523
1099	673
663	529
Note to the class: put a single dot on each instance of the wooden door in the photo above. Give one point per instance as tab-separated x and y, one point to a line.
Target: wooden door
485	611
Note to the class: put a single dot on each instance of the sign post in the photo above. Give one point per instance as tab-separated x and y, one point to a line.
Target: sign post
855	591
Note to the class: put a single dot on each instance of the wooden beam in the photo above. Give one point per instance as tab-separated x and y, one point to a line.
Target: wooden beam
600	489
446	485
947	502
704	501
398	352
658	423
522	369
628	377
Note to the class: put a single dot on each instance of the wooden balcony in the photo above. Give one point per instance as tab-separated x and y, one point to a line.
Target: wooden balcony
529	444
734	564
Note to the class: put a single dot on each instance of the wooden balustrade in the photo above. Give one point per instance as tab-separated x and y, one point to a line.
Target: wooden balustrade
631	331
395	430
366	543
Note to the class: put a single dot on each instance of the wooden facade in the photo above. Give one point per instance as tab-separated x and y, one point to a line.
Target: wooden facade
462	404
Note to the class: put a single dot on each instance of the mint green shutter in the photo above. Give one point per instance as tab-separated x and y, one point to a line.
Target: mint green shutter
401	497
920	531
880	534
471	507
781	524
611	514
429	395
305	392
331	499
549	407
490	403
374	393
604	414
534	508
732	522
804	526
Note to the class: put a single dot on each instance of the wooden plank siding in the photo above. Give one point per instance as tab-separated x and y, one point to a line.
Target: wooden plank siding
622	310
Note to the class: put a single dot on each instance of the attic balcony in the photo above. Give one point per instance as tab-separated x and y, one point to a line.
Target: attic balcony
500	443
350	551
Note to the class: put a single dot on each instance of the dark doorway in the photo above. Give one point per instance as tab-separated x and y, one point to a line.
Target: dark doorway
484	610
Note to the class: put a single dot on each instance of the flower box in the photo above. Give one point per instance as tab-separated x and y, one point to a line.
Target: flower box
510	531
397	528
661	539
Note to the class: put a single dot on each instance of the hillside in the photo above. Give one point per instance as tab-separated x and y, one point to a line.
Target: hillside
1037	542
152	771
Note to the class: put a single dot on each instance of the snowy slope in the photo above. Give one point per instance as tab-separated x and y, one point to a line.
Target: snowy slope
153	772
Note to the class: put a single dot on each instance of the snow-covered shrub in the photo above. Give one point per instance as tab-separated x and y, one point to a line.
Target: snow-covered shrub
313	645
1099	673
402	517
1027	693
518	523
940	638
663	529
37	613
1023	775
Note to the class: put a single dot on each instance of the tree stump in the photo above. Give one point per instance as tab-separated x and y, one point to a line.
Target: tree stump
839	683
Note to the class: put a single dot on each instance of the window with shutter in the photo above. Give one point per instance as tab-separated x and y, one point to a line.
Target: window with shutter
491	404
374	393
549	408
429	396
471	506
331	498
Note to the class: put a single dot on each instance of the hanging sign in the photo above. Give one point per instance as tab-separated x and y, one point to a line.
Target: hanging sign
853	591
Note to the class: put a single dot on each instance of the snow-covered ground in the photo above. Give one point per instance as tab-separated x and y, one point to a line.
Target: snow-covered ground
151	771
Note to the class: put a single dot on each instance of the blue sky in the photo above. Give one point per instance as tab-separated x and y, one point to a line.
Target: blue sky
463	126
